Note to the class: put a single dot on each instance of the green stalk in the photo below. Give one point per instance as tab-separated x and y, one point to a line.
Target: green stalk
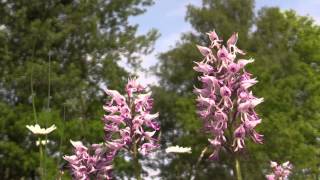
31	85
136	164
46	121
45	157
62	133
49	81
195	167
32	97
40	158
238	169
36	120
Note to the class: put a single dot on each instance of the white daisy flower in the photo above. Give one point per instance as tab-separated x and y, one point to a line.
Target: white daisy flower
36	129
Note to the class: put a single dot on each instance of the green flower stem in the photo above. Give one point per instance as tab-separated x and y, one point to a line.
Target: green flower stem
45	157
195	167
238	169
136	164
40	158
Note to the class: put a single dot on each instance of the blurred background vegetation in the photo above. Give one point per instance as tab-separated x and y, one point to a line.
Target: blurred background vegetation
78	46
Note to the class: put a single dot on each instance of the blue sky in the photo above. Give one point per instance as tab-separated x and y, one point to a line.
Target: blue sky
168	17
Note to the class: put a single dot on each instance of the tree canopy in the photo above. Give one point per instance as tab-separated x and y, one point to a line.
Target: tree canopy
59	55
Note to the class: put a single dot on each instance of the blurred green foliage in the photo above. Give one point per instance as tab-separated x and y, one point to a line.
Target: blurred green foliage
286	49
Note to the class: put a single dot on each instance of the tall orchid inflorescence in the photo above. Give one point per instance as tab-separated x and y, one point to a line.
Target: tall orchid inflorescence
225	101
279	171
128	125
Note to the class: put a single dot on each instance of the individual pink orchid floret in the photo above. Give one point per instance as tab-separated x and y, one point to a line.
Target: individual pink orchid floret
215	41
134	87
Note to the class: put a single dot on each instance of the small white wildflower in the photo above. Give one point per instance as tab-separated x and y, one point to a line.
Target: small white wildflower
178	149
36	129
2	27
43	142
273	164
